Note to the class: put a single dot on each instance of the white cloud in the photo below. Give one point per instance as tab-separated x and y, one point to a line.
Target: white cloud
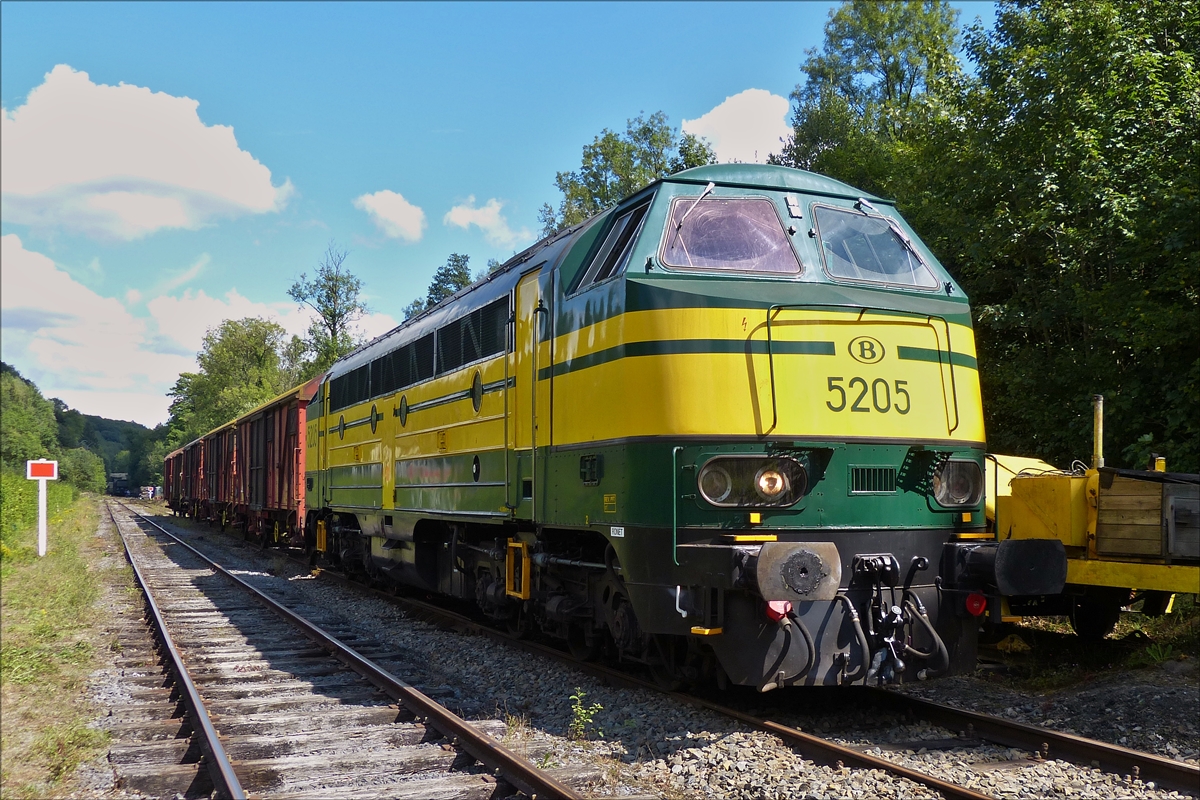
746	127
91	352
181	322
182	277
123	161
393	215
75	344
488	219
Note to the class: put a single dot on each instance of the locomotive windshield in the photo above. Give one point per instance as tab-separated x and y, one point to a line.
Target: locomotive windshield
869	248
735	233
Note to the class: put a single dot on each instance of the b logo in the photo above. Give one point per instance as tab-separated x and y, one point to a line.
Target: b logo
866	350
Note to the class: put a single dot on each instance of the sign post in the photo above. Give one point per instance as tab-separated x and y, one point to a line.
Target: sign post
41	471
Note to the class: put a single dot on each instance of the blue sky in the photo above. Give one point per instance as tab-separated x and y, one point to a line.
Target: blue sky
166	166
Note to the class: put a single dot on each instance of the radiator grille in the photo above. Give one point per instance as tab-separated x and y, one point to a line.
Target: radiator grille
872	480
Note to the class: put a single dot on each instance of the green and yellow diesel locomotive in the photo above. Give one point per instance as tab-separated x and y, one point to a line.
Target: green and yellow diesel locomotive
729	428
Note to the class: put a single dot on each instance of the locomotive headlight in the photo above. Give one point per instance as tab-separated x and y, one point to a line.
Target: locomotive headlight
715	483
957	483
752	481
770	483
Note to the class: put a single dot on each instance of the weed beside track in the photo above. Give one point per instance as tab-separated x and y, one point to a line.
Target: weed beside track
50	618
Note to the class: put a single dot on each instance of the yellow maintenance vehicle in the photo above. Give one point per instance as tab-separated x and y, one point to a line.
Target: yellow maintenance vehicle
1128	534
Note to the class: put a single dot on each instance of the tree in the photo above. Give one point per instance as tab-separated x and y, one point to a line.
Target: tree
333	293
615	166
242	364
28	429
866	85
84	469
449	278
1060	185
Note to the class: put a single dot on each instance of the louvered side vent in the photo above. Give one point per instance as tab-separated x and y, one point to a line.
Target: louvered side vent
872	480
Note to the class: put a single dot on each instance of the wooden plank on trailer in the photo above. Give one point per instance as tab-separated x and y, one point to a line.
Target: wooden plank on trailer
1131	487
1129	502
1128	547
1127	516
1129	531
1129	539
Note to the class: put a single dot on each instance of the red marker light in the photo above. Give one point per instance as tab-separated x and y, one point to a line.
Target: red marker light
778	609
976	604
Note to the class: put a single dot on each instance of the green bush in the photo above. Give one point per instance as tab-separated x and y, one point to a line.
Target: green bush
18	506
84	469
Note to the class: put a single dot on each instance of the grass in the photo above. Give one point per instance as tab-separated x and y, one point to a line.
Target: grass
47	647
1058	658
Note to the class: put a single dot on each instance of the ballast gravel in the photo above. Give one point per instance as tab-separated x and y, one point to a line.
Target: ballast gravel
646	743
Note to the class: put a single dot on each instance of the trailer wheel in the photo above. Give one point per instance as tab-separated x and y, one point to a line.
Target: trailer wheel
1093	618
1155	604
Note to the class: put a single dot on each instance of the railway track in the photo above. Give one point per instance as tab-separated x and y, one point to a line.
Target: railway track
274	705
965	731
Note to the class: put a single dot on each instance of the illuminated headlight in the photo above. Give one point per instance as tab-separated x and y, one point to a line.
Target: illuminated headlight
770	483
751	482
958	483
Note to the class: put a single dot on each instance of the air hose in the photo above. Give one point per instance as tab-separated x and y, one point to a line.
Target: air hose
863	644
943	662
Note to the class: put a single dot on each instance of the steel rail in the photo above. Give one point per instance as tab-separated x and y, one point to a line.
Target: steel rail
1112	758
520	773
219	764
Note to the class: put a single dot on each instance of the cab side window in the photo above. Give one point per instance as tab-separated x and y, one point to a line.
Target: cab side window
612	257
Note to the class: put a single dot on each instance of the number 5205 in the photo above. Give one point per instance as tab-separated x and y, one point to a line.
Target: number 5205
881	395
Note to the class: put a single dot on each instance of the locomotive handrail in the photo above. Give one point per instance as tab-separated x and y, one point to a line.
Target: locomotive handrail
510	336
862	310
533	392
675	504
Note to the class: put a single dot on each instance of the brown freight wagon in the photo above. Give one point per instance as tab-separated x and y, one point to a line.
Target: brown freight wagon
219	490
193	478
269	466
249	472
173	480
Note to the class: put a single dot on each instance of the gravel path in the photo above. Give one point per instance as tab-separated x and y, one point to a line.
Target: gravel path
646	743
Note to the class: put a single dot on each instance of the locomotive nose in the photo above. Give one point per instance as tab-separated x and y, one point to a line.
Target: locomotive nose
800	572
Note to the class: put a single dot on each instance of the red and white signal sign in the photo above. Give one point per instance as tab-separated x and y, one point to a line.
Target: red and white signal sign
46	470
41	470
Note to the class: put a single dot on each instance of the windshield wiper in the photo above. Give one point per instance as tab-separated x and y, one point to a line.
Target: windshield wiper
692	208
902	236
863	205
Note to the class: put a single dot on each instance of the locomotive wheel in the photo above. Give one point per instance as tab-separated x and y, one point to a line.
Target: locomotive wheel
515	626
1094	619
577	644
